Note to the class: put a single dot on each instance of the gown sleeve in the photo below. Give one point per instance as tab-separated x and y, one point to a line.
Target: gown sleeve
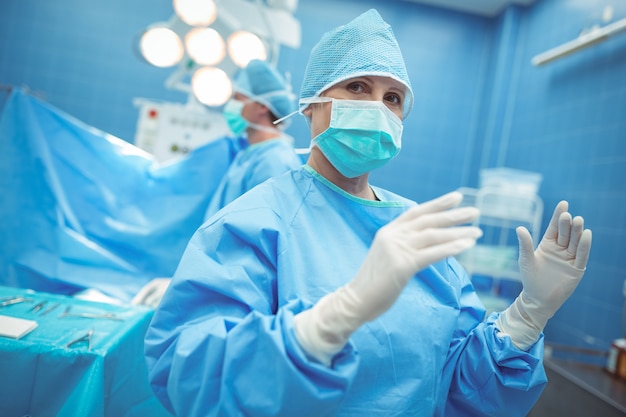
219	344
488	375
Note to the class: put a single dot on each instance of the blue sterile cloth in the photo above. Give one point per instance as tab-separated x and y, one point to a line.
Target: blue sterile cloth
42	377
83	209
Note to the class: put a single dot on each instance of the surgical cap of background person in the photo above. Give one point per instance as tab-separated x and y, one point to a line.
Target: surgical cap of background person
261	82
365	46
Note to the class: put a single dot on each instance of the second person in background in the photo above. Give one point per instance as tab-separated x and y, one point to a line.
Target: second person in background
261	96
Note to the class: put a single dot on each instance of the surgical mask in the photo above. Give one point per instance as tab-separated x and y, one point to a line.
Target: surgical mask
362	135
237	123
232	113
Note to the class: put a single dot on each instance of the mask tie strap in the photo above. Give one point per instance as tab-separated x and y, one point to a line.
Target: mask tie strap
304	101
263	128
284	117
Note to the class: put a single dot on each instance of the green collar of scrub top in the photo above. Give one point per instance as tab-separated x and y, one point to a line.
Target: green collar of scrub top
373	203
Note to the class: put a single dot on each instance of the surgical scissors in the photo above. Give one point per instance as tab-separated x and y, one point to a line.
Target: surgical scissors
84	338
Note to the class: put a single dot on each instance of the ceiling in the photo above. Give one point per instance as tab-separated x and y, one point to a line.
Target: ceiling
479	7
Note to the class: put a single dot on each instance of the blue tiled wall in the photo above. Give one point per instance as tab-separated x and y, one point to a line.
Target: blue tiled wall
79	56
478	103
567	120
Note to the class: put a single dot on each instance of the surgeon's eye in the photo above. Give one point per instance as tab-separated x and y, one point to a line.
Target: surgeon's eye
393	98
356	87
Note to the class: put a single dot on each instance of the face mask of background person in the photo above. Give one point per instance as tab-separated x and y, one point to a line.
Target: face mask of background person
233	114
242	113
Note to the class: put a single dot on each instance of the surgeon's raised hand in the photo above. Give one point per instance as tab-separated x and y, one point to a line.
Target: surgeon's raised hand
550	274
419	237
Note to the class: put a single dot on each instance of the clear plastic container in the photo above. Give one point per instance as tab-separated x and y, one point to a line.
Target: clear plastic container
511	181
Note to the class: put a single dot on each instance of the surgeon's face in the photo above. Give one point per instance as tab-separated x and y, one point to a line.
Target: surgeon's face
252	111
373	88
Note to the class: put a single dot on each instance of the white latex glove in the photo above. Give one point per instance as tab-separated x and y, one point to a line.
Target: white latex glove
549	275
419	237
150	294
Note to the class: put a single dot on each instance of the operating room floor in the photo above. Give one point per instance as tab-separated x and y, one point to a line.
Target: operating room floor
578	389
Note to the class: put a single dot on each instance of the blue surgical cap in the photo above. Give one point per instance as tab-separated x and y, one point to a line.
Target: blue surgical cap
260	82
365	46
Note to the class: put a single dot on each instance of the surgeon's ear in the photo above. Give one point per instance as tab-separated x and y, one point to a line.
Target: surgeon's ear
260	108
307	112
259	111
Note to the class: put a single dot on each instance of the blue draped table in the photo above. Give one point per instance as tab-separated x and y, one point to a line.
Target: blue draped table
41	376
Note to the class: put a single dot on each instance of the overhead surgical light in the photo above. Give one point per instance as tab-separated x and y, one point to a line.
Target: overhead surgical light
210	40
211	86
207	41
161	46
205	46
196	12
244	46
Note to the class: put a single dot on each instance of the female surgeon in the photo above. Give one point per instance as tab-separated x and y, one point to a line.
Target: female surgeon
317	294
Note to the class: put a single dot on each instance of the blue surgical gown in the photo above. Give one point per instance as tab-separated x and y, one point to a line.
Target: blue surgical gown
222	341
252	166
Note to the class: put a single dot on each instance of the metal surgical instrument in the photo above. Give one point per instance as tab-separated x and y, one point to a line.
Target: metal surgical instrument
109	316
38	306
85	338
50	309
14	300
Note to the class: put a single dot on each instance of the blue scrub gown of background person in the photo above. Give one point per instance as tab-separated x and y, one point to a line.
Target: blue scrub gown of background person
222	340
252	166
